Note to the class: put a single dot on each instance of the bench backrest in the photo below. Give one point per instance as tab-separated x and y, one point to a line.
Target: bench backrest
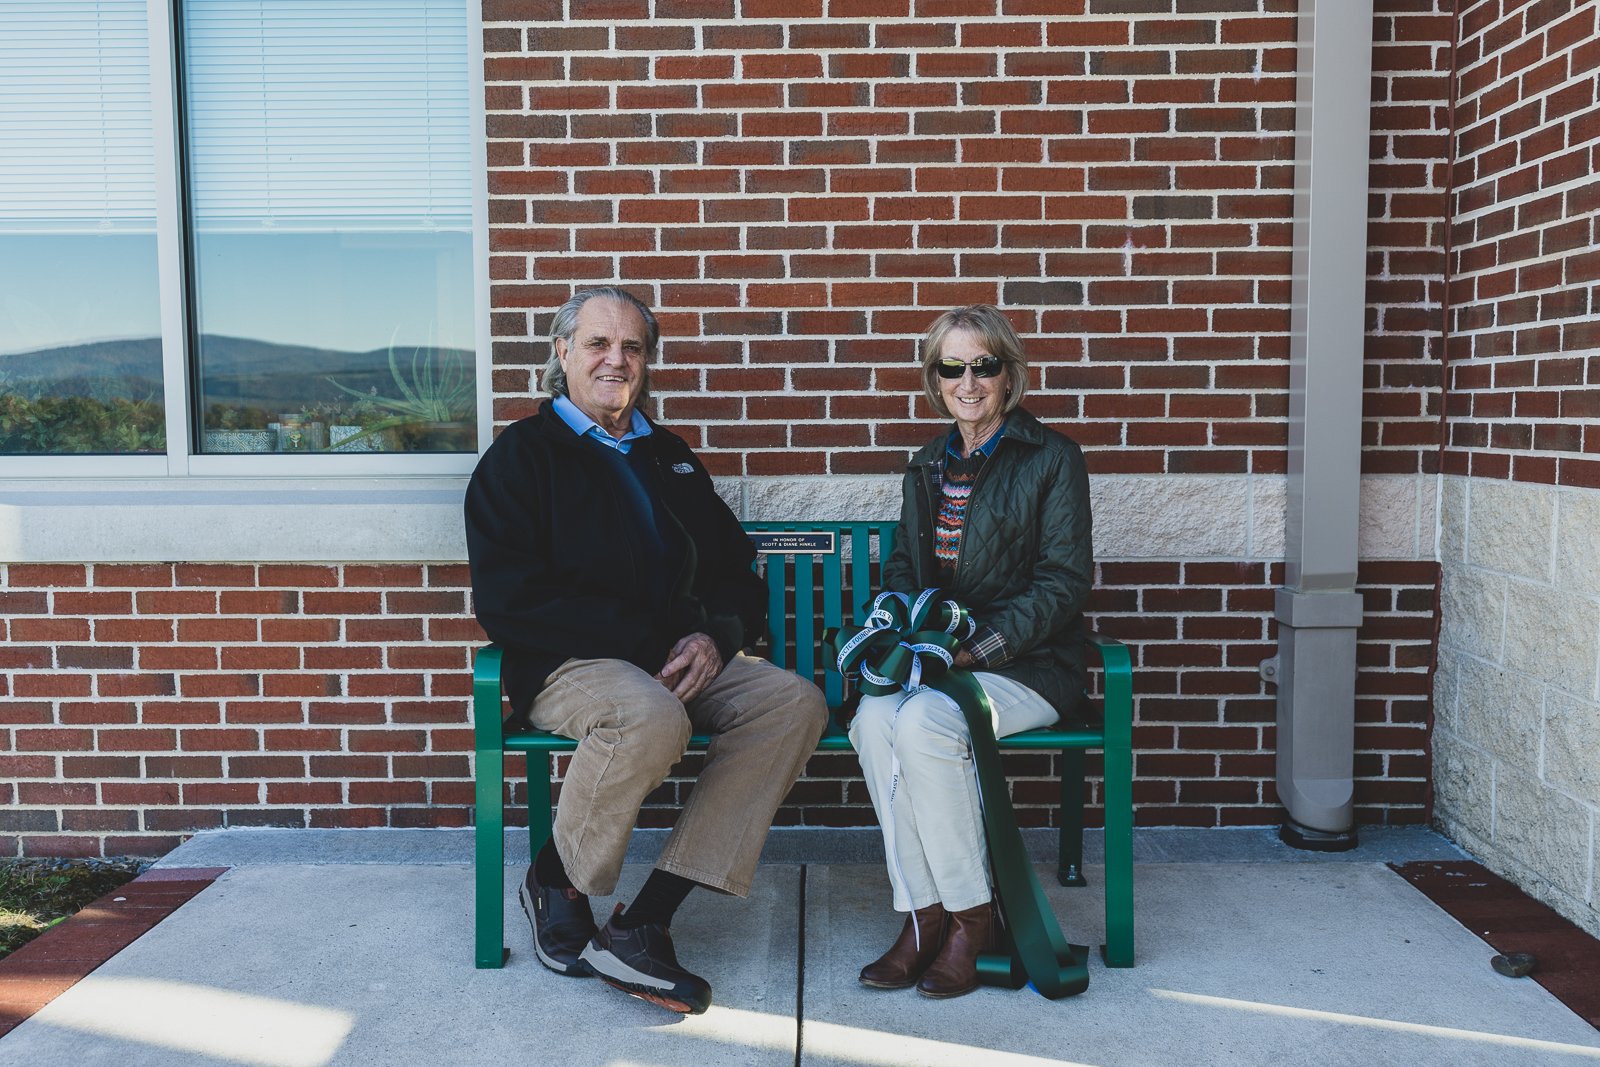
843	584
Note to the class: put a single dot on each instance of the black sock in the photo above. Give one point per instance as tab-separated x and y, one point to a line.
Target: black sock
657	901
549	869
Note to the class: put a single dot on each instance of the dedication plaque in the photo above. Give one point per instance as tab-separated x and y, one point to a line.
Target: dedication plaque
803	543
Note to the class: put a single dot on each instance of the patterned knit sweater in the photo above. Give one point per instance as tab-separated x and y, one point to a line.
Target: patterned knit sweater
988	646
954	491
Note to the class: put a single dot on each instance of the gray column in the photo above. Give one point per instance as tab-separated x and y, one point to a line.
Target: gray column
1318	610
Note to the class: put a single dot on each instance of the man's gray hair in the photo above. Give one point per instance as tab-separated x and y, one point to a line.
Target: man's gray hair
565	327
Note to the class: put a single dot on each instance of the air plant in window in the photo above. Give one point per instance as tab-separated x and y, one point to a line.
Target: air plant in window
440	392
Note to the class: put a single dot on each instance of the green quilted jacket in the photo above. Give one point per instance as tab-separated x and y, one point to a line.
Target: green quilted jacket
1027	554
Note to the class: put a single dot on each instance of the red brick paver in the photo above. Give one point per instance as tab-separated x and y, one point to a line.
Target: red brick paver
1511	921
48	966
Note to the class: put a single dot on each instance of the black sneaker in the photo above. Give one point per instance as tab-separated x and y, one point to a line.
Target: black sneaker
562	925
641	961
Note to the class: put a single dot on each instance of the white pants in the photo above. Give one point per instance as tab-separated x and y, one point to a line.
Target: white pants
916	753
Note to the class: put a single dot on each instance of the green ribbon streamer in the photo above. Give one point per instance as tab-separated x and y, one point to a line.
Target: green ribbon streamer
909	644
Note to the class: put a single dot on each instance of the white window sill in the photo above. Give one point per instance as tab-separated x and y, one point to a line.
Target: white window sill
204	520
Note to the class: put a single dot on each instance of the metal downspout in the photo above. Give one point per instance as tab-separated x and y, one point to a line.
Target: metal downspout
1318	610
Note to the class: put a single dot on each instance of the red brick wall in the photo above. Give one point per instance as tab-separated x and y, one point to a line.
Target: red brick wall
1204	733
1203	719
1524	380
801	191
139	704
1407	182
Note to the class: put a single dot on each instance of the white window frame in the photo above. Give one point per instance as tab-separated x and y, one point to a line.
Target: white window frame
180	462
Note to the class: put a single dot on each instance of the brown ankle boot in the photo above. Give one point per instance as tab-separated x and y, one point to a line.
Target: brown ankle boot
954	972
904	963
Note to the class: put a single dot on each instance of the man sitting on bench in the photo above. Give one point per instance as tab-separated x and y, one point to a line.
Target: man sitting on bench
620	586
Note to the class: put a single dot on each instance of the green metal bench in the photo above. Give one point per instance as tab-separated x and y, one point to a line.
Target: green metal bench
843	589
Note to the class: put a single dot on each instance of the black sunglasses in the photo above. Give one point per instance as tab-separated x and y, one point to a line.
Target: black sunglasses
987	367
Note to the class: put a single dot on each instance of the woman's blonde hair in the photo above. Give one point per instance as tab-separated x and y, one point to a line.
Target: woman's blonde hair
994	331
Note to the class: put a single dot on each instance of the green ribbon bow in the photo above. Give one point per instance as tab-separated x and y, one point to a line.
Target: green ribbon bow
896	650
909	645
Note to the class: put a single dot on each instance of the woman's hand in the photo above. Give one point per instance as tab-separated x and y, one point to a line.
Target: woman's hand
964	661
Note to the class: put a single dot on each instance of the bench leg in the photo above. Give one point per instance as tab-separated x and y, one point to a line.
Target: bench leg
539	822
1118	949
1069	857
489	860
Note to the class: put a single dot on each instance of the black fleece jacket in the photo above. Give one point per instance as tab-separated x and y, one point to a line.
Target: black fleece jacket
557	561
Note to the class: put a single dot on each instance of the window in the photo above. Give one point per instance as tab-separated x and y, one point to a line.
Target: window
331	201
321	243
80	318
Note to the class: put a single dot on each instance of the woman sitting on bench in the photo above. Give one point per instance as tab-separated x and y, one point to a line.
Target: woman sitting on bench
996	513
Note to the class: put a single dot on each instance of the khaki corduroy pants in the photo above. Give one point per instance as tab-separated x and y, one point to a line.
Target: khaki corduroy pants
764	724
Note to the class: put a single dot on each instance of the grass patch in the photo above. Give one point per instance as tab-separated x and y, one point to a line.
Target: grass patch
36	894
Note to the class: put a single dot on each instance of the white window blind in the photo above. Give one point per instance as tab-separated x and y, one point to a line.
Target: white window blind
328	114
76	150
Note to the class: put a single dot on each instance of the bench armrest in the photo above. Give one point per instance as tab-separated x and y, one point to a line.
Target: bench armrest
1113	653
486	728
1117	686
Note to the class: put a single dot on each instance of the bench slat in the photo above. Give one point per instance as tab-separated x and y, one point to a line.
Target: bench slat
860	567
832	680
775	611
805	647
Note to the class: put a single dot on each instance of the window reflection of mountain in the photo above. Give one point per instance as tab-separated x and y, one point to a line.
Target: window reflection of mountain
103	370
249	384
411	398
247	373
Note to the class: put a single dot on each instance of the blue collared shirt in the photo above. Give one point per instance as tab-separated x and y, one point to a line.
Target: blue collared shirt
584	426
954	444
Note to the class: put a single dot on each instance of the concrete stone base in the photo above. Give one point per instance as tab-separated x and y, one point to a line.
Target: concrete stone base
1136	516
1517	694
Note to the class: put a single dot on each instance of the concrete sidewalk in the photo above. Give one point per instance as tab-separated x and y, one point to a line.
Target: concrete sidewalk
356	948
